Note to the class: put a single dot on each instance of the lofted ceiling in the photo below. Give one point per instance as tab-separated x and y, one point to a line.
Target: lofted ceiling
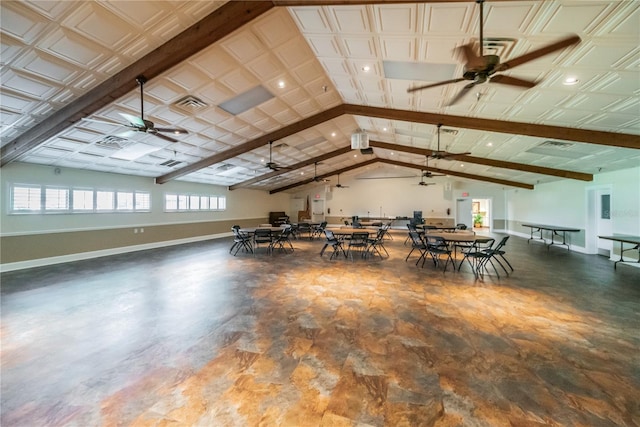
311	74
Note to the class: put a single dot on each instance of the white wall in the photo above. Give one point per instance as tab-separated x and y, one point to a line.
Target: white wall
241	204
401	196
564	202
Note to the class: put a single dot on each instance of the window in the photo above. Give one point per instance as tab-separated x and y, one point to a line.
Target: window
82	200
204	202
104	200
143	201
171	202
183	202
193	202
124	201
56	199
26	198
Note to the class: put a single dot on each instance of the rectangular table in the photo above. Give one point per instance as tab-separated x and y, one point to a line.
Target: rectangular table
624	238
555	231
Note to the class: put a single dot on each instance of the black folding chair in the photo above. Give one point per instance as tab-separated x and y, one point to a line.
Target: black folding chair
334	242
477	255
241	240
282	241
417	244
498	251
437	247
262	236
377	243
359	242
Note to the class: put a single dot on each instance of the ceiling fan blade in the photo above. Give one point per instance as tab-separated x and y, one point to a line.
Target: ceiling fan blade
165	137
135	121
472	60
176	131
460	94
446	82
513	81
545	50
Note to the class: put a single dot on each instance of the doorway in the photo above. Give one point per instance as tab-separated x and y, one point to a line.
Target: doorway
481	211
317	210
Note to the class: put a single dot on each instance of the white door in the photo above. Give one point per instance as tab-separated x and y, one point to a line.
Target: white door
317	210
463	212
603	221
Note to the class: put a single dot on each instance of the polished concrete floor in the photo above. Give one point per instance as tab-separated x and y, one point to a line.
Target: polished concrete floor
192	336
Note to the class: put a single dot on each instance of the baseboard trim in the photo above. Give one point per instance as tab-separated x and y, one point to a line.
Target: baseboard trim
579	249
41	262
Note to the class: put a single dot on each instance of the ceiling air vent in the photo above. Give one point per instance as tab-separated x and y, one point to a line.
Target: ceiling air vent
556	144
190	102
224	167
449	131
112	141
170	163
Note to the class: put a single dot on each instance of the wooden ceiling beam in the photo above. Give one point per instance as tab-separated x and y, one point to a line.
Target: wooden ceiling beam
611	139
326	175
291	129
220	23
460	174
488	162
299	165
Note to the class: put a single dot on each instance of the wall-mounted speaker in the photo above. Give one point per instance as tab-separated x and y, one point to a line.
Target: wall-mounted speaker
359	141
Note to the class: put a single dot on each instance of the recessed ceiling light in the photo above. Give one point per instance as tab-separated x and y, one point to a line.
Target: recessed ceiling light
281	84
489	144
569	81
301	173
333	134
461	165
392	153
355	155
366	68
384	129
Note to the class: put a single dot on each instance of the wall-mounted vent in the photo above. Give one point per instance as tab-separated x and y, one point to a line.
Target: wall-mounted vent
170	163
190	102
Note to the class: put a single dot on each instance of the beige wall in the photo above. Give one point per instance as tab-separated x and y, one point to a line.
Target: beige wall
25	237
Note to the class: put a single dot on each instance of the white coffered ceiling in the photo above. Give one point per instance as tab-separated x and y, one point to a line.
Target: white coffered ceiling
53	52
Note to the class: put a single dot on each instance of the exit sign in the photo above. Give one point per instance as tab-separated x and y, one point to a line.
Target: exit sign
465	194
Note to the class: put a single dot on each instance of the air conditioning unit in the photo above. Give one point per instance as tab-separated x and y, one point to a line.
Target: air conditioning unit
359	141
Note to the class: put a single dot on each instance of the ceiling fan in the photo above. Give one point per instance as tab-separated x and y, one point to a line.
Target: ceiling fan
482	68
316	178
139	124
271	164
441	154
338	185
427	173
423	182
